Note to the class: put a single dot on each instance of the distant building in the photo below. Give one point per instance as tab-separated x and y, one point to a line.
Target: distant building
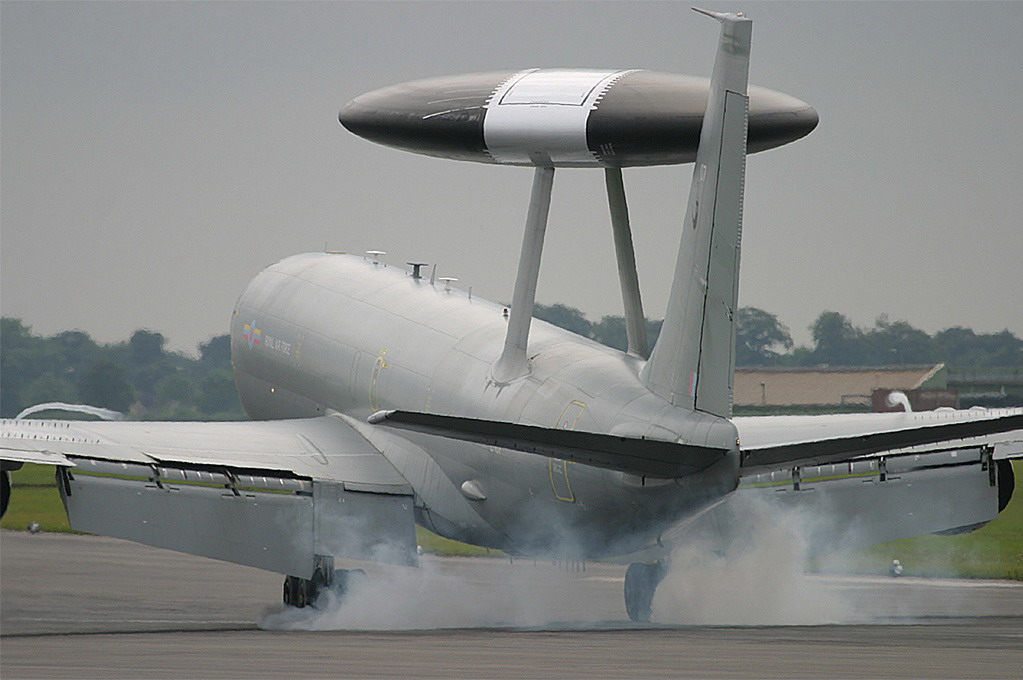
841	388
989	387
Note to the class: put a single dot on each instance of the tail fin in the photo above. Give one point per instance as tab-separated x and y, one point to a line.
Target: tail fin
693	363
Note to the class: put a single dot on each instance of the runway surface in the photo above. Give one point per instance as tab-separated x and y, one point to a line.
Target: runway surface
85	607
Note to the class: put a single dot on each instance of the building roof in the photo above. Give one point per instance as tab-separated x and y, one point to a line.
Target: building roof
827	385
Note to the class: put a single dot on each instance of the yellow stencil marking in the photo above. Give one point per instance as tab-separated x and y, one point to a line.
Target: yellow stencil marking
557	469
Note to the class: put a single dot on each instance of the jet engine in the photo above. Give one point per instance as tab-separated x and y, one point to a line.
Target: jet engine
1006	487
5	491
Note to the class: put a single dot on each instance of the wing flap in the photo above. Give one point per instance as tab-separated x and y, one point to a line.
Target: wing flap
40	457
1009	450
645	457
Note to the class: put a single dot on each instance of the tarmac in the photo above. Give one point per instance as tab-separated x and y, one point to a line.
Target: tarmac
89	607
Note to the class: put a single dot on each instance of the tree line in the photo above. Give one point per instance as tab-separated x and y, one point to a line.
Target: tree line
141	377
138	376
762	340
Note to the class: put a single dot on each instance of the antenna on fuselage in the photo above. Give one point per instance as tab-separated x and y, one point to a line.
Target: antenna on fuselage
415	268
375	254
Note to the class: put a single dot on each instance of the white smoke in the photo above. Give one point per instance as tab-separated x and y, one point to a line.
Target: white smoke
743	564
897	398
441	593
753	573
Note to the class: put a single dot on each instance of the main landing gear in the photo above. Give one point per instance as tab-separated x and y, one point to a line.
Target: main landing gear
641	581
300	592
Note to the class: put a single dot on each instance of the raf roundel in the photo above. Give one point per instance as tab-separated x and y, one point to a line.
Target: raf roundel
596	118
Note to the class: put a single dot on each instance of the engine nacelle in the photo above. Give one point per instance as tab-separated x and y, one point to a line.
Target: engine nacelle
5	491
1006	485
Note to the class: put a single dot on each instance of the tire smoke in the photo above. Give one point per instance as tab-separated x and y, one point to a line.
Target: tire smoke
440	594
748	568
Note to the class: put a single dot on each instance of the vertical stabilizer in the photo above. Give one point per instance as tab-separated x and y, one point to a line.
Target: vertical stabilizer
693	363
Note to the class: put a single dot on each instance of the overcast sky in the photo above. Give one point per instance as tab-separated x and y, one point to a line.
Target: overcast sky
156	156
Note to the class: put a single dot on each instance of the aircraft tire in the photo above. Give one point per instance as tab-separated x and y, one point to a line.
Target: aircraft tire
641	582
314	586
300	592
287	596
294	592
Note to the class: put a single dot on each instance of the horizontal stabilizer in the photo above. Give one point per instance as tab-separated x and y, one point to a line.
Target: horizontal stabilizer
818	452
645	457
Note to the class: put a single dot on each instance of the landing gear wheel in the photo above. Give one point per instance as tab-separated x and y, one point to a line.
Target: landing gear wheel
314	586
294	591
641	582
300	592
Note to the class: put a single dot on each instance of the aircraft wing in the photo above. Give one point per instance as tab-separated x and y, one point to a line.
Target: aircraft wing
849	480
271	494
780	442
324	449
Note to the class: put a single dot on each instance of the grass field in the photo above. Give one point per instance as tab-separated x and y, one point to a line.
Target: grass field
34	498
996	551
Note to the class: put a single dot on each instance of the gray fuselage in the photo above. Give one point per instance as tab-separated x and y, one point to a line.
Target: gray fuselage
320	333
